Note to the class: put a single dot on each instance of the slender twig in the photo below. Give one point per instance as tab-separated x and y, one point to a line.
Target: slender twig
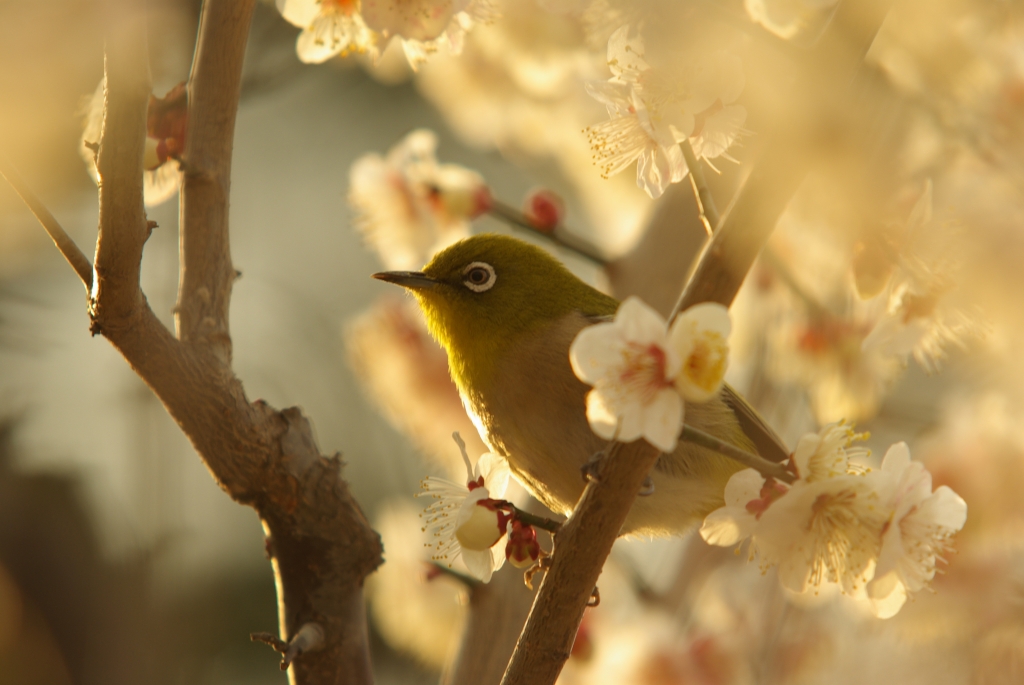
708	441
536	521
513	217
705	201
78	261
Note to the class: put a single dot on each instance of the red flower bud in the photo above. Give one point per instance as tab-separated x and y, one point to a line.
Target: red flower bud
167	123
522	549
544	209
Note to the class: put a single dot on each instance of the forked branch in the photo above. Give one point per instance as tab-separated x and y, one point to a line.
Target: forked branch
320	543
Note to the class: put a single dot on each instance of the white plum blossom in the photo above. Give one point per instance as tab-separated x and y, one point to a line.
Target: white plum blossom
829	453
876	534
631	365
460	519
736	521
653	109
329	28
917	532
424	26
408	206
639	368
823	531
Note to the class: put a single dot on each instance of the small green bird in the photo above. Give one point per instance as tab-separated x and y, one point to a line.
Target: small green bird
506	313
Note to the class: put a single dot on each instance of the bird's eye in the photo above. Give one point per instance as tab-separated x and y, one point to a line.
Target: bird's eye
479	276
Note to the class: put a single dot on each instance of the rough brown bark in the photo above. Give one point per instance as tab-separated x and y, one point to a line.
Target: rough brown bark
319	541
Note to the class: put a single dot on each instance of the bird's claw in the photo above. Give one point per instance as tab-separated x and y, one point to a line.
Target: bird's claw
543	564
647	487
595	598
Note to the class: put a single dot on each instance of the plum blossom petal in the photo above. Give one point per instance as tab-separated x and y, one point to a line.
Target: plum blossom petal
700	336
630	365
734	522
329	28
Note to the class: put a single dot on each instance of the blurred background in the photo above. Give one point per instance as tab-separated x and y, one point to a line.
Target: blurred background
889	296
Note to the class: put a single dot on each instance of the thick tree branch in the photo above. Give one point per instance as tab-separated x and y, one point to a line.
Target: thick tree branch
76	258
580	551
319	541
204	291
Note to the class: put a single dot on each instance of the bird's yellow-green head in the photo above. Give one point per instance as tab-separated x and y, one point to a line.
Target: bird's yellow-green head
481	293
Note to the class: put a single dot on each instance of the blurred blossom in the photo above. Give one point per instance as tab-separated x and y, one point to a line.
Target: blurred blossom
825	355
408	206
416	610
342	27
329	28
800	320
653	109
787	18
923	313
424	26
405	372
877	534
165	123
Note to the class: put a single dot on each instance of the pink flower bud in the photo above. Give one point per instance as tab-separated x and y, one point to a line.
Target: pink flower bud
167	123
544	209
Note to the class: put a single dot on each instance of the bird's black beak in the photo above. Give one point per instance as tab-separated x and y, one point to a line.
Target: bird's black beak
416	280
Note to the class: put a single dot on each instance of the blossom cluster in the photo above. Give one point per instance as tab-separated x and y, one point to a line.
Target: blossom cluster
878	534
342	27
642	369
654	109
470	520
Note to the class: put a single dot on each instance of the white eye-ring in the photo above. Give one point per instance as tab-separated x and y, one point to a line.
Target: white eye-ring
479	276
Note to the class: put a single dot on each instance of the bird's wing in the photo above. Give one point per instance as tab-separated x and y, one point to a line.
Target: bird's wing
769	445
